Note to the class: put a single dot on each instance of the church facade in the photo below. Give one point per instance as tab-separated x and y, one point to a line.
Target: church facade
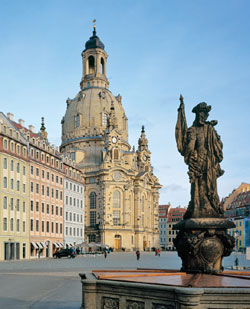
121	190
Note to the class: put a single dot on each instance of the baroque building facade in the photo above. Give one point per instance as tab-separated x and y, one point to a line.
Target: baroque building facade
14	192
163	220
73	206
41	194
121	190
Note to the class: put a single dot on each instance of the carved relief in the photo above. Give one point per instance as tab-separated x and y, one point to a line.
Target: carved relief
110	303
201	249
131	304
117	176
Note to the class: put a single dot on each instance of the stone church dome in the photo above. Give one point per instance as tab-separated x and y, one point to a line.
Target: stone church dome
86	119
87	114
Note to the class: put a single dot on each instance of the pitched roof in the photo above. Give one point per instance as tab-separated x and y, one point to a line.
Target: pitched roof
163	210
176	213
19	127
241	200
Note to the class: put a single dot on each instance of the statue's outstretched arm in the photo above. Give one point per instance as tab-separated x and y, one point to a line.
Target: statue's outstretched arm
181	128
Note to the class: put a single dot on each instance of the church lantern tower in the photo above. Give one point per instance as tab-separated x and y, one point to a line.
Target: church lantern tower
95	134
94	59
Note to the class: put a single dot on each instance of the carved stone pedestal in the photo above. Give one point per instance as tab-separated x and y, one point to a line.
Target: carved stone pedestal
202	243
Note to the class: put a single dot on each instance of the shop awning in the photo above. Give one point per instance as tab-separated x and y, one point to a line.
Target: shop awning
44	244
34	245
56	244
39	245
61	244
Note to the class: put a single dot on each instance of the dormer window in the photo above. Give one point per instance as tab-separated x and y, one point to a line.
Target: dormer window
73	156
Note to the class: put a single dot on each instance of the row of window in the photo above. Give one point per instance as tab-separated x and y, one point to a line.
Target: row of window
50	226
22	150
11	186
75	188
13	227
54	193
173	232
36	154
15	148
53	178
12	204
73	201
48	208
74	217
116	200
69	231
5	166
116	218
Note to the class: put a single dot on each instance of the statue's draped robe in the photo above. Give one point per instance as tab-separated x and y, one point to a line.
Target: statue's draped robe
204	168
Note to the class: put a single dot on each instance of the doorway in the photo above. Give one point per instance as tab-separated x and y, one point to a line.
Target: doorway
117	242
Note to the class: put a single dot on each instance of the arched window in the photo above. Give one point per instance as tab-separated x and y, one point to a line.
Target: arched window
5	202
116	199
91	65
5	144
102	66
92	200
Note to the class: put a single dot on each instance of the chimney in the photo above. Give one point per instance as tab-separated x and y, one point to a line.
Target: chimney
31	128
10	116
21	122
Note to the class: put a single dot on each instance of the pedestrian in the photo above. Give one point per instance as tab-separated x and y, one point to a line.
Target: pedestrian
138	255
105	254
156	252
159	252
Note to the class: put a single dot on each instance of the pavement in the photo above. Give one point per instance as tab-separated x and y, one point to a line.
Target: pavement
55	283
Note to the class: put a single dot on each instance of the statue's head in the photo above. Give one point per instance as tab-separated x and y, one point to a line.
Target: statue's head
202	112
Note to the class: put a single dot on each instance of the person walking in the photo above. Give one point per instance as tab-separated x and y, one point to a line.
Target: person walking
138	255
159	252
105	254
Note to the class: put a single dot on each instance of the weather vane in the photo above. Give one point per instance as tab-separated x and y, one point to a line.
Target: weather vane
94	21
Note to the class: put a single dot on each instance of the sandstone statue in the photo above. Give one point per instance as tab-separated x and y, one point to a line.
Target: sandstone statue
202	240
201	147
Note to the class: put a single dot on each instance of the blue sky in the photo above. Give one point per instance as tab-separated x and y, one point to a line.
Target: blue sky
157	50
